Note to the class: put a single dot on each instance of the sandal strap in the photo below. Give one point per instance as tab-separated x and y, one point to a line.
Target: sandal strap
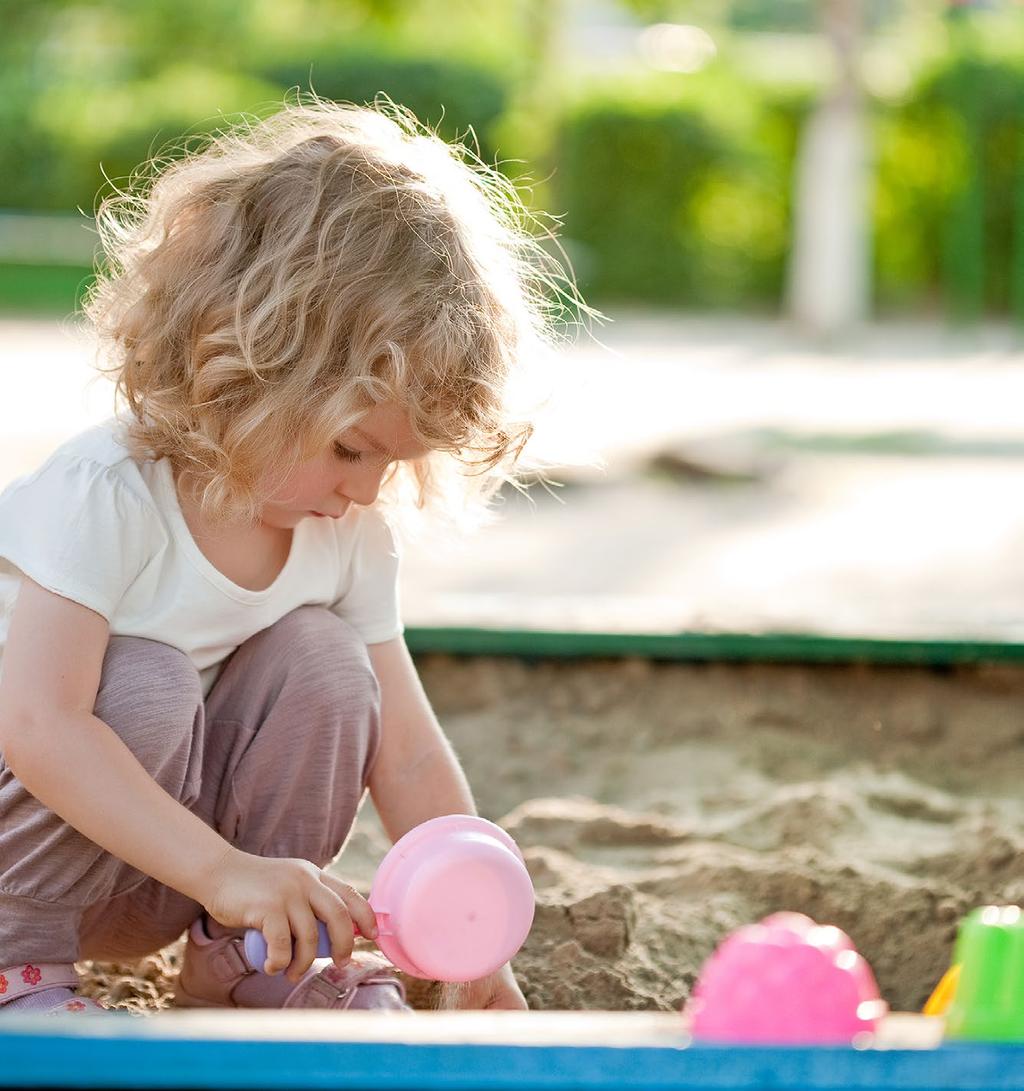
229	963
78	1004
32	977
324	988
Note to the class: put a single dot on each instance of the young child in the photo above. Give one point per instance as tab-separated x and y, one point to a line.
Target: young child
315	323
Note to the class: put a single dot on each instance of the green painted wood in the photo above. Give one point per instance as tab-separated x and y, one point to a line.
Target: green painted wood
709	647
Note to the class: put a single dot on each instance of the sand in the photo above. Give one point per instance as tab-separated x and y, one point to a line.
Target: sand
661	805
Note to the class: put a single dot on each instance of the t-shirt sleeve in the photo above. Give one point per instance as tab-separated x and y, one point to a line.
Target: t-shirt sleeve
75	527
368	598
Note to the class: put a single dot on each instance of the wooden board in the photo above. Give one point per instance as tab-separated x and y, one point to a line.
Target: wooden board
212	1048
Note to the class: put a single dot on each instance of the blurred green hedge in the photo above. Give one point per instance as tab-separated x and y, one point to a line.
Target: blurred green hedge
949	209
679	193
672	190
62	143
449	96
65	146
685	197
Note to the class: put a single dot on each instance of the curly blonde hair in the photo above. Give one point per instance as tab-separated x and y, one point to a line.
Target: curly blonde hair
271	287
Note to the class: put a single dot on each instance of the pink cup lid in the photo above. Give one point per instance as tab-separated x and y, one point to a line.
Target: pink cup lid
453	899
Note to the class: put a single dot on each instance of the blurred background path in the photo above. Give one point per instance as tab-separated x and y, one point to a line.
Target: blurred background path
727	477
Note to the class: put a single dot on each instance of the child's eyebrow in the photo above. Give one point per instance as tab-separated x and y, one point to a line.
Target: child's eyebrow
373	443
368	439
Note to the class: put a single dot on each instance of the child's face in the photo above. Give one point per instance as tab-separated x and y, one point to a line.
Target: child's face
348	472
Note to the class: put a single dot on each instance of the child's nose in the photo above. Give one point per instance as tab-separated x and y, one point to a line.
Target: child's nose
364	488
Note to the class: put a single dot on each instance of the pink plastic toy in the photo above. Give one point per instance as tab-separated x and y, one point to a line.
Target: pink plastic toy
453	901
786	980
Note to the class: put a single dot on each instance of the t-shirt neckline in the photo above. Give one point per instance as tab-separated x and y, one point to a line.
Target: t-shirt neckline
199	559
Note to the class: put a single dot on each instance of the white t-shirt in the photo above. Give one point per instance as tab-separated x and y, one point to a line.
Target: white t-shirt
93	525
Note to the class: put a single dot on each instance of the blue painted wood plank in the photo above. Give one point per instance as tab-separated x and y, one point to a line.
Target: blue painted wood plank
127	1051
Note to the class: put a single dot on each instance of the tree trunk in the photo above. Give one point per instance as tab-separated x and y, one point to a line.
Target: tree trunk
829	262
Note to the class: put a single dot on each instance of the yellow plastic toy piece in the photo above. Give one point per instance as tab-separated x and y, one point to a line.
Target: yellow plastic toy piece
939	1001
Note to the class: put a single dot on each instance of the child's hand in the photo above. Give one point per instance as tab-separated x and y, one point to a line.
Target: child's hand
286	897
497	990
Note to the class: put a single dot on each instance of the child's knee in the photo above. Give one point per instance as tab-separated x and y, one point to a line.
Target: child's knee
333	653
338	684
149	694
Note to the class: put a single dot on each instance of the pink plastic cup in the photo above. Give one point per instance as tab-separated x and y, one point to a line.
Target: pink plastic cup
786	980
452	898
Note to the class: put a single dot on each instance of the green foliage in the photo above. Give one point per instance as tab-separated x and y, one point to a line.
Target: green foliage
450	96
670	188
1017	267
681	197
42	289
949	176
64	141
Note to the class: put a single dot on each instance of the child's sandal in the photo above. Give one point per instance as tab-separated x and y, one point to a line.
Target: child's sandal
367	982
34	977
212	969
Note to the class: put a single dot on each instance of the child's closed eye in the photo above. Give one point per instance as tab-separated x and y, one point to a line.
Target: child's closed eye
347	453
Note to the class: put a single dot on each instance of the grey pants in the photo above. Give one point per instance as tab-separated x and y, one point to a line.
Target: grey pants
276	760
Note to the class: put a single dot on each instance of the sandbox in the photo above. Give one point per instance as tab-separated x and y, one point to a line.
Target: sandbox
659	805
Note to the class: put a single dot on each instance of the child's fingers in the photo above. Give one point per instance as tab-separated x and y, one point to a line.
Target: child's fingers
334	913
345	911
277	933
307	939
360	910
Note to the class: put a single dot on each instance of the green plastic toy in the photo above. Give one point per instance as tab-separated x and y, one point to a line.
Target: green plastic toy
988	1004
